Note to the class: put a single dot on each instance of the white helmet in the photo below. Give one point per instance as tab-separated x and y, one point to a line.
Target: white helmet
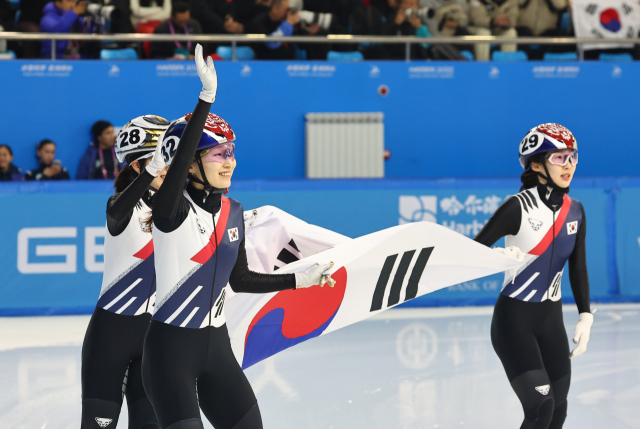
544	138
140	135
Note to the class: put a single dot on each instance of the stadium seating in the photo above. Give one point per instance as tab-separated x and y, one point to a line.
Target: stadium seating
467	54
118	54
563	56
615	58
509	57
243	53
345	56
7	55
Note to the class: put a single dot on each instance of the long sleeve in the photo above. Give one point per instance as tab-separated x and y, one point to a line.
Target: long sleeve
168	198
244	280
285	29
85	164
505	221
62	25
478	15
578	275
120	206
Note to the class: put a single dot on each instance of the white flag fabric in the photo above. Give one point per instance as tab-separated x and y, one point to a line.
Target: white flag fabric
372	273
606	19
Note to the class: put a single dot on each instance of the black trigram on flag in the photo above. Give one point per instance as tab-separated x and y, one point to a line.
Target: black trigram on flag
290	253
398	279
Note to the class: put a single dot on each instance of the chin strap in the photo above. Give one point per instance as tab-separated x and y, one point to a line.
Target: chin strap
551	185
208	189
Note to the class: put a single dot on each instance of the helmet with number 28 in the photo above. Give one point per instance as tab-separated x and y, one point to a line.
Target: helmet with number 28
216	131
140	136
545	138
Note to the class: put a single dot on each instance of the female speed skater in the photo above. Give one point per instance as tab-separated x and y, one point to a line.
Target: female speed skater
527	331
199	241
112	348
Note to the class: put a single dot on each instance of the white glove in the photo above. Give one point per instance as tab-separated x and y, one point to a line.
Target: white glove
582	333
157	162
208	76
512	252
313	276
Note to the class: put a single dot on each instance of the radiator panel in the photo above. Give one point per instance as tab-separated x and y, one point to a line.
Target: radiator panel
345	145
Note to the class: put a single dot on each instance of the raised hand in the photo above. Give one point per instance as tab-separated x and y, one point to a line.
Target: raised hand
207	73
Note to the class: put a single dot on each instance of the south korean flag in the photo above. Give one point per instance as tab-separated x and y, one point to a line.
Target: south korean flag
572	227
606	19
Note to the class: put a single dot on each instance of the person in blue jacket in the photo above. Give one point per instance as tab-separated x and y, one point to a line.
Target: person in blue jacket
99	160
8	171
61	16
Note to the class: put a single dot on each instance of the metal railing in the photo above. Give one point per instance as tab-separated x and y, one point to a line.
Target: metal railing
332	38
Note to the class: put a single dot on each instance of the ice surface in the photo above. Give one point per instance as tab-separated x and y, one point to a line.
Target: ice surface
414	368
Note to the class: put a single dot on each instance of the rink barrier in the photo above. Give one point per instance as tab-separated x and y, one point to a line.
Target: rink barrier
434	125
67	219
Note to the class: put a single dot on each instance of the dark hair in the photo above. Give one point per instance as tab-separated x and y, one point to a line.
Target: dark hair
276	3
8	148
529	178
42	143
179	7
98	128
128	174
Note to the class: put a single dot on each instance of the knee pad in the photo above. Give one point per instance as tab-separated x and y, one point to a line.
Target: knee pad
141	415
251	420
99	414
187	424
559	416
561	389
536	396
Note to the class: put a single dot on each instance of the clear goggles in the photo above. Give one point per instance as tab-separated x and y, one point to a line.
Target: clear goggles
221	153
564	156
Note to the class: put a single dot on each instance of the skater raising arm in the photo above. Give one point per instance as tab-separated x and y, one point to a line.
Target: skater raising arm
112	347
198	233
132	184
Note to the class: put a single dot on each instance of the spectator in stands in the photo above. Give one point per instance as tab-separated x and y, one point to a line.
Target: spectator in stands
146	15
493	17
278	21
179	23
61	16
49	168
406	22
369	20
8	171
99	160
245	10
29	22
451	19
216	16
540	18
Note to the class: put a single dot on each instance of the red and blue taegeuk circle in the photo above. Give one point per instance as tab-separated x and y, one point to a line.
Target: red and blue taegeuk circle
610	19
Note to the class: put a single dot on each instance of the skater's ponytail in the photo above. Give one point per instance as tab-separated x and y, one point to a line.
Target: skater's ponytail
529	178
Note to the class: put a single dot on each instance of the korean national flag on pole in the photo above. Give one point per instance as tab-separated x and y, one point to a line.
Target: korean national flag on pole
606	19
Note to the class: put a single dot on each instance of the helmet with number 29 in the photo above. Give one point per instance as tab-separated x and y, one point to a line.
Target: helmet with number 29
140	136
545	138
216	131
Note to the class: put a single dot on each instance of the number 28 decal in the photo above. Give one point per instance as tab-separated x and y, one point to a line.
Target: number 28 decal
131	136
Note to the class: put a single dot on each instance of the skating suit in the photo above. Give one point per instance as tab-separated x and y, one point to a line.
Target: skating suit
112	348
527	330
188	363
128	286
